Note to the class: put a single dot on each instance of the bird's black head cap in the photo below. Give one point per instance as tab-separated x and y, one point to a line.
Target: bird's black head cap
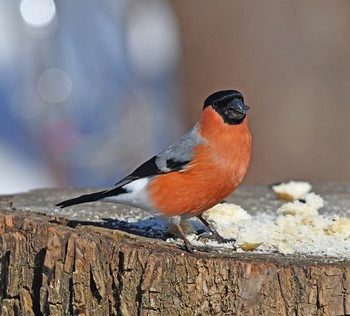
229	104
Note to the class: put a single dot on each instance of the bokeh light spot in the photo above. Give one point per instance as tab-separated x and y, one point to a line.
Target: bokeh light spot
152	38
54	85
38	13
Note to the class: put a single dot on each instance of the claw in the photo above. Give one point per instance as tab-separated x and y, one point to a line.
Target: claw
216	235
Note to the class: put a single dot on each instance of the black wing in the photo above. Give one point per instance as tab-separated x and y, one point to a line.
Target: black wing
150	168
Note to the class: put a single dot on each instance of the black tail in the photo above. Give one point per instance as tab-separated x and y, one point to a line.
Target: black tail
83	199
92	197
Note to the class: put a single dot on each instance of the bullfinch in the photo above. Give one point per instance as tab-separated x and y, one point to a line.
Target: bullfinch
195	172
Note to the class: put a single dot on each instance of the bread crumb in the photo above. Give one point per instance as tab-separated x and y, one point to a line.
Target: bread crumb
284	248
226	213
340	227
295	228
249	246
227	216
313	203
292	190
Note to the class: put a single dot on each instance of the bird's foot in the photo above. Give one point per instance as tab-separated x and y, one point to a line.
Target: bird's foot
196	248
209	236
215	234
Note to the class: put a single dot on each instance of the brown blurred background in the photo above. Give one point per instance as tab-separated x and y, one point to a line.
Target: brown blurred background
291	60
94	88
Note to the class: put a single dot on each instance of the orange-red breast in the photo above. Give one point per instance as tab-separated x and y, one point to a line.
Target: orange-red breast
194	173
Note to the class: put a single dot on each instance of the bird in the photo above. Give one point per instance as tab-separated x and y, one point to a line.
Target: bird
194	173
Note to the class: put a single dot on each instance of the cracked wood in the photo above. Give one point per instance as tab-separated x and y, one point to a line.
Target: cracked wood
48	267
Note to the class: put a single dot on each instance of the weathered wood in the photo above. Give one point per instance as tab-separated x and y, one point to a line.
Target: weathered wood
53	265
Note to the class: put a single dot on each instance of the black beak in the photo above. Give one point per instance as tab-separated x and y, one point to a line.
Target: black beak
239	106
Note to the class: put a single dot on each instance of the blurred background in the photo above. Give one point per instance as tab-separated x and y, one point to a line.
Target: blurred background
90	89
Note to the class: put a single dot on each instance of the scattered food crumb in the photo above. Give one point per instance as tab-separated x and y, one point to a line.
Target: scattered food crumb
226	213
292	190
340	227
313	203
249	246
227	216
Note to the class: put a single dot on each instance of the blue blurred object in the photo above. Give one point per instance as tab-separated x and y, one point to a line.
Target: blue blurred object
88	90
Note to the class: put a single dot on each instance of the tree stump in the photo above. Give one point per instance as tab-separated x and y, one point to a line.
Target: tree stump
70	263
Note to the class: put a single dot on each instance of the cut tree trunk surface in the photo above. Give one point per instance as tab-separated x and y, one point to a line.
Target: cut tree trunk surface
105	259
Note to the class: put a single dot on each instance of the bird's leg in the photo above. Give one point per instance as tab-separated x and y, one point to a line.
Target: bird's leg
188	245
216	235
176	220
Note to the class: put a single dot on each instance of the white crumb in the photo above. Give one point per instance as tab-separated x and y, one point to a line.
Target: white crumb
340	227
227	216
313	203
292	190
226	213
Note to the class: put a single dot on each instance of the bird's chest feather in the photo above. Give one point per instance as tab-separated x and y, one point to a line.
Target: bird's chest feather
229	146
225	154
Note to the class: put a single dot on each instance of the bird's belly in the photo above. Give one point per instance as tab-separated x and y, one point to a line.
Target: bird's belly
191	193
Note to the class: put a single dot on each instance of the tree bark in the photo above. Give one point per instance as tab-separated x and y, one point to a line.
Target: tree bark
55	266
